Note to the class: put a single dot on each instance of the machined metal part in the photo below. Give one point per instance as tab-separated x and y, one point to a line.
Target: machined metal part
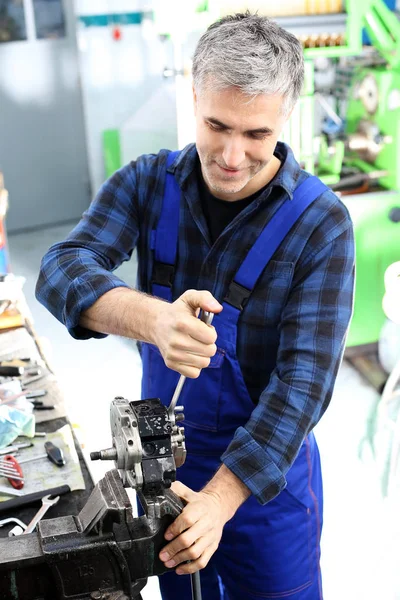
367	91
147	445
367	141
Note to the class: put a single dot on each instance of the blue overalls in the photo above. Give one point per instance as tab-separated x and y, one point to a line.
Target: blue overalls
269	551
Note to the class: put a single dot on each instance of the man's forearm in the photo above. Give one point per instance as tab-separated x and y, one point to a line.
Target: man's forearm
125	312
231	491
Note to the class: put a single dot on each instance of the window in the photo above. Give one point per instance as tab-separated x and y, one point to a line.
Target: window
12	21
49	19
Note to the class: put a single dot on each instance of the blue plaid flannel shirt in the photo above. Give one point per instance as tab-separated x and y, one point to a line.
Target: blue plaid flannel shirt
292	331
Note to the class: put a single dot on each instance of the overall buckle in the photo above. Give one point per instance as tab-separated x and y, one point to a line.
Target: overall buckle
163	274
237	295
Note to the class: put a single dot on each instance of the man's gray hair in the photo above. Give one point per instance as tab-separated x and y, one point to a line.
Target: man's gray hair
252	53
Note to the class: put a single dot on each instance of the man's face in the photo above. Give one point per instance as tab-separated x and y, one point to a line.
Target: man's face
236	139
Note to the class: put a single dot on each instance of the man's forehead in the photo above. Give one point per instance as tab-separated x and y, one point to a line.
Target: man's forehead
236	97
233	105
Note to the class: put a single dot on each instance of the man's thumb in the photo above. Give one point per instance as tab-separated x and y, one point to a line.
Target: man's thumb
202	299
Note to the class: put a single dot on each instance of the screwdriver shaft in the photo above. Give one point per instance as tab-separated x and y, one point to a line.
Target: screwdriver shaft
207	318
32	458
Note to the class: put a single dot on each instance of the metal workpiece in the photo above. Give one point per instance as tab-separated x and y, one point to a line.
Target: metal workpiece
147	445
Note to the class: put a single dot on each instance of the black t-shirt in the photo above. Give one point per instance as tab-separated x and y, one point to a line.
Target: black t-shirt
219	213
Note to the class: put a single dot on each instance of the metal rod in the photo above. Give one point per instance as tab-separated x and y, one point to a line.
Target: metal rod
9	469
11	476
10	491
15	447
196	587
32	458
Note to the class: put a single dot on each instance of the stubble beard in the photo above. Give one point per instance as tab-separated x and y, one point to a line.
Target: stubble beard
224	186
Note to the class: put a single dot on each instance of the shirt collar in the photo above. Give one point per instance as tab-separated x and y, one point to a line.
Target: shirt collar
286	178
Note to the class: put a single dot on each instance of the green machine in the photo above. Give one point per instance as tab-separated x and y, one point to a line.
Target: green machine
362	160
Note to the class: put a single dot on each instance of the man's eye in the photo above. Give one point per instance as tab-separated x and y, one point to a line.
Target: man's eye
259	136
215	127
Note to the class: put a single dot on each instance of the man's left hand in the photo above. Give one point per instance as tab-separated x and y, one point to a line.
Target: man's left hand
196	533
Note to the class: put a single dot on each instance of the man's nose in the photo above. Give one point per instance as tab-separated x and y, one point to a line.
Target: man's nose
234	153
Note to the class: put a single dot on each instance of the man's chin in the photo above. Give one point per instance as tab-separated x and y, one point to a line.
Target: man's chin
224	188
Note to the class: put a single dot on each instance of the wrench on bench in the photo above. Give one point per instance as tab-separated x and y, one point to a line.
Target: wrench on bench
47	502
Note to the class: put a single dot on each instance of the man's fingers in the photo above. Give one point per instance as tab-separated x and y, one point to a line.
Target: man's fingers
182	542
186	520
187	360
189	345
201	299
183	491
197	565
192	553
189	372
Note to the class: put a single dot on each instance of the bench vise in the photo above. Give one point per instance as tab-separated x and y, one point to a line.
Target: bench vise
105	552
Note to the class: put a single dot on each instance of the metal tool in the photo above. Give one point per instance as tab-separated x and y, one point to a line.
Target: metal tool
47	502
18	529
53	453
13	520
15	447
35	394
11	469
207	318
9	491
25	382
10	474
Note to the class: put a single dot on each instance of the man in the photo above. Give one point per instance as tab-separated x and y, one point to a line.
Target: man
233	226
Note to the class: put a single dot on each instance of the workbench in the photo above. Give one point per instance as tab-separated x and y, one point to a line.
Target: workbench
21	342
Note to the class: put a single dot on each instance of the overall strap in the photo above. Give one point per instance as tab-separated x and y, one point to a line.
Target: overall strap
266	245
165	236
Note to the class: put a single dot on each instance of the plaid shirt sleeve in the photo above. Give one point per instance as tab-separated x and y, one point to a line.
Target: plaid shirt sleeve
77	271
312	338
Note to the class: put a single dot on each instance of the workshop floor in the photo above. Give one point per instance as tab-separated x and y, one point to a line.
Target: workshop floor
360	538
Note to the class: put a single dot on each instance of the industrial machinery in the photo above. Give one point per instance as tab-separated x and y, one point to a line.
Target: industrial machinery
360	150
105	553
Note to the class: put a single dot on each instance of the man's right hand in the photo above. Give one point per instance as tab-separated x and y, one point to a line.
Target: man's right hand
185	342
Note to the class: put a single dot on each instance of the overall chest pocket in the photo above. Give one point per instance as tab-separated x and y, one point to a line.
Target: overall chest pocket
265	305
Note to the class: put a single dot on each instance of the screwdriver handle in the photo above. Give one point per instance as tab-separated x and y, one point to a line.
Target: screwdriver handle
53	453
17	477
